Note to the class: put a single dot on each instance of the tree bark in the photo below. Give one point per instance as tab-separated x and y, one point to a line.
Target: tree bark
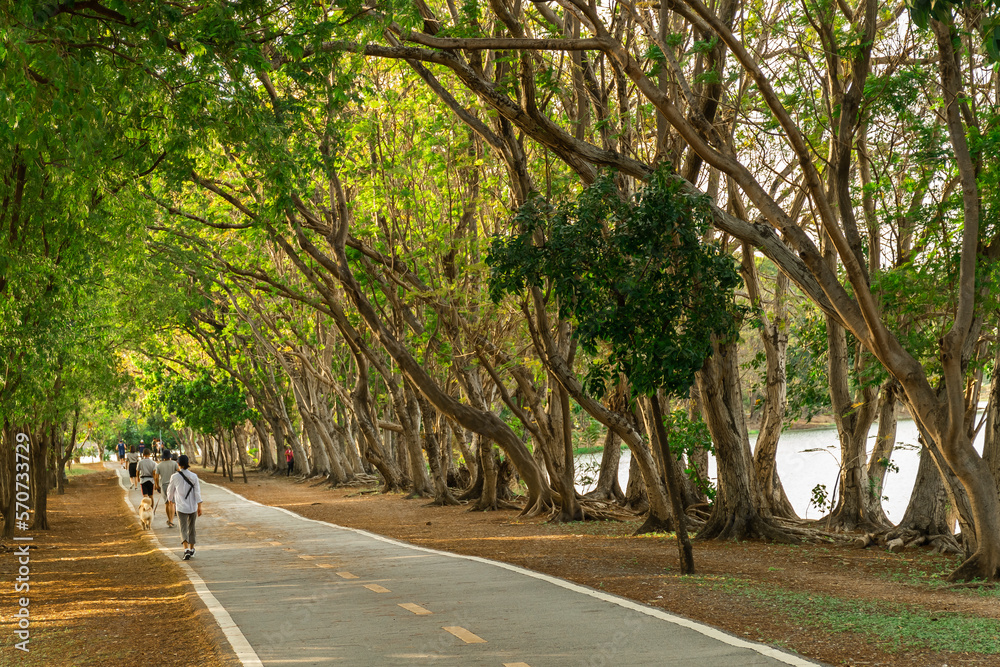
39	476
608	487
881	455
738	512
774	337
654	425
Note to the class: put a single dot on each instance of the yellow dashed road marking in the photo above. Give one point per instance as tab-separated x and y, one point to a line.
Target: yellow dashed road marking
306	557
464	635
415	608
347	575
324	565
516	664
275	544
377	589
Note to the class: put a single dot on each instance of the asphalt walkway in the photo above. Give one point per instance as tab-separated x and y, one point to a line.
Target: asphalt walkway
290	592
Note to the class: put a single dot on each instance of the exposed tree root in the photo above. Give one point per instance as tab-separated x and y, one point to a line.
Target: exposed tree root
972	584
978	566
604	496
540	506
845	522
363	479
444	500
593	510
699	513
481	506
654	524
898	540
747	526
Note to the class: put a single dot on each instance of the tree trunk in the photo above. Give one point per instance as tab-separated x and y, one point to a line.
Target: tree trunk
881	456
442	495
854	416
654	425
635	489
738	512
488	499
278	433
265	461
659	518
411	418
928	512
774	337
991	438
468	456
8	459
559	450
241	450
608	487
39	477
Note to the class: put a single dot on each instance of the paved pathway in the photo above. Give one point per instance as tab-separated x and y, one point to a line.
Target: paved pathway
290	592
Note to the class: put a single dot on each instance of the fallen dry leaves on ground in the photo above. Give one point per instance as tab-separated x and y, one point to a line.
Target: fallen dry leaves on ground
101	593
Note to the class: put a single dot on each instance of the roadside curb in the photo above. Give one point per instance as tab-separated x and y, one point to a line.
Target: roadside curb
223	627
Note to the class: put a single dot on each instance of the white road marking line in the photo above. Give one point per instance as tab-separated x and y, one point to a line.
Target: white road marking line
325	565
516	664
464	635
241	647
415	608
347	575
377	589
402	557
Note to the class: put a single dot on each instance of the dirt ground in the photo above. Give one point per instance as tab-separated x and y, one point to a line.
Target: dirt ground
605	556
100	592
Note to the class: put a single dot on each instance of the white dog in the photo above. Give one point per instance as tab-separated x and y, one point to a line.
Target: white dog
146	512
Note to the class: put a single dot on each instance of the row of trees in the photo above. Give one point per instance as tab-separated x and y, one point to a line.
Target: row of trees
396	234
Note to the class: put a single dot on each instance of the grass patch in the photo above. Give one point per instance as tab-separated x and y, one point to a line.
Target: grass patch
596	449
895	627
78	470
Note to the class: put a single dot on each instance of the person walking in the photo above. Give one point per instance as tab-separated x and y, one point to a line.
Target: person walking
185	493
290	460
165	469
142	447
146	471
121	452
133	461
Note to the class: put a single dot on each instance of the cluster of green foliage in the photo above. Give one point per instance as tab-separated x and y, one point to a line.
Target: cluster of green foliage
205	404
688	437
644	289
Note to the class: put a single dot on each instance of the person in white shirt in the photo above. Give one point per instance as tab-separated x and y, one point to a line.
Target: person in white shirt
185	493
165	469
133	462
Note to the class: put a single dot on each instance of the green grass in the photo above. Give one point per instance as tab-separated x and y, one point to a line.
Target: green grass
596	449
895	627
78	470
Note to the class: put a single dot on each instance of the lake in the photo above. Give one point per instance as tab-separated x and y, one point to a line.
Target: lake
807	457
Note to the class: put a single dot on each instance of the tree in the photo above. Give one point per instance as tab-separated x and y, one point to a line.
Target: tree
646	294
